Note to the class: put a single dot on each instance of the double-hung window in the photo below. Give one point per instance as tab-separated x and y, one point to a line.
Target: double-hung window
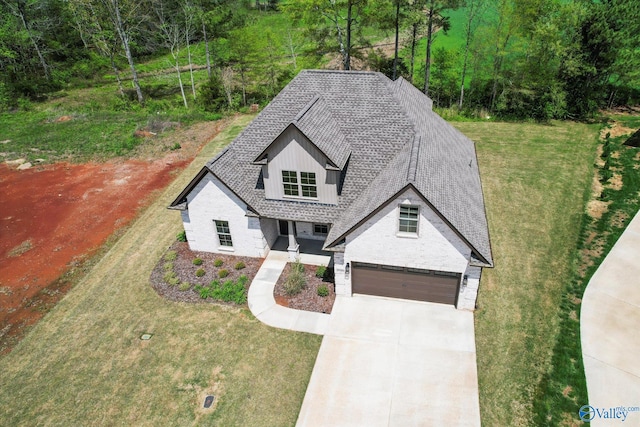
290	182
224	234
408	221
306	186
308	181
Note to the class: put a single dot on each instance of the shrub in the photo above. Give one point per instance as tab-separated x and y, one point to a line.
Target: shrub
184	286
295	282
323	291
200	272
168	266
297	266
173	281
321	271
218	262
171	256
239	265
203	291
234	291
168	276
223	273
181	236
229	291
197	261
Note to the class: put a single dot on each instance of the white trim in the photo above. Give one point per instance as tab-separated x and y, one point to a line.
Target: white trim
299	185
417	221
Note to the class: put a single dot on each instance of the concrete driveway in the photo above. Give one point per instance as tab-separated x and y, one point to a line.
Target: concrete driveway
609	321
387	362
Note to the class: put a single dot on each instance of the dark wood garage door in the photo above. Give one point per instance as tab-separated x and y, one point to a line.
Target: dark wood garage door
407	283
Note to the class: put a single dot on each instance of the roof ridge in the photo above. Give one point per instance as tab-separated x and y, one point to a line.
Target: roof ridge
306	109
218	156
413	158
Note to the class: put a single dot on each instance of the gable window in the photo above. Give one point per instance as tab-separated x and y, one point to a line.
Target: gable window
308	181
224	234
290	182
305	187
320	229
408	222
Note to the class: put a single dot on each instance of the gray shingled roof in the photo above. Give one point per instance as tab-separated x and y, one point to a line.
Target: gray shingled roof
317	123
386	135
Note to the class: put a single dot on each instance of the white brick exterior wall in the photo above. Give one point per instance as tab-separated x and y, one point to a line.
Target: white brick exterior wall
270	230
305	231
343	284
211	200
468	296
377	241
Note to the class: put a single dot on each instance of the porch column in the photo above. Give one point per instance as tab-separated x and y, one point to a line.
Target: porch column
293	244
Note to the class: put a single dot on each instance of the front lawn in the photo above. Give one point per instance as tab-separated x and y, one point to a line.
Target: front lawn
85	364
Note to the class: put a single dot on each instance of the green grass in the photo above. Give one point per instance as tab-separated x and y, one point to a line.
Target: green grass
97	130
632	122
84	363
564	390
535	179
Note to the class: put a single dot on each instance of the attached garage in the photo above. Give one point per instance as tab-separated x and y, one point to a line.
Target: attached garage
407	283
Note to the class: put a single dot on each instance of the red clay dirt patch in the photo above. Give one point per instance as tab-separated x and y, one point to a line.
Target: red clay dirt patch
54	216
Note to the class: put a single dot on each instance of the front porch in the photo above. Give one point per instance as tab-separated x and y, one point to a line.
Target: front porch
307	250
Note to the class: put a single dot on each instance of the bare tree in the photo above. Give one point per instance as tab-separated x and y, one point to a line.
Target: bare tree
172	34
227	83
188	12
122	28
88	20
292	49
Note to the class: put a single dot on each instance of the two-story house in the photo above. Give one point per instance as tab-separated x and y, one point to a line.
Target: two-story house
362	164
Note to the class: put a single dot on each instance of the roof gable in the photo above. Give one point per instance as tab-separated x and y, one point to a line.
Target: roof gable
316	122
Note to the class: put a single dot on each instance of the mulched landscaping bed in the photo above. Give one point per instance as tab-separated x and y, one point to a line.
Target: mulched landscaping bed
186	271
308	299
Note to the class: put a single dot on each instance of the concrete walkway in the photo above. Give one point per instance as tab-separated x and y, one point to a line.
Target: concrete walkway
609	327
263	305
389	362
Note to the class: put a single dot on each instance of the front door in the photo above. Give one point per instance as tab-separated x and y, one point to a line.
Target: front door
284	228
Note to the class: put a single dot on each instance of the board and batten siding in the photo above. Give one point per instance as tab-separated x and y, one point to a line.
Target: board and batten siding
377	241
292	151
211	200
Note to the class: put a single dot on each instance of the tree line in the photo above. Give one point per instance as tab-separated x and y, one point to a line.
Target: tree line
539	59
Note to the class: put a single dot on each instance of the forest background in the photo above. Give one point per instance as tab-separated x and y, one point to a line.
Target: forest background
508	59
